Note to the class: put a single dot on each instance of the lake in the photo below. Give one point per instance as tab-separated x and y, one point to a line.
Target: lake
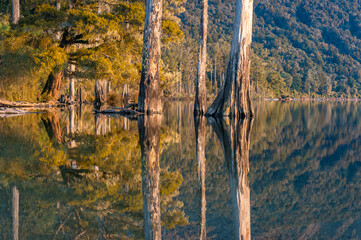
293	172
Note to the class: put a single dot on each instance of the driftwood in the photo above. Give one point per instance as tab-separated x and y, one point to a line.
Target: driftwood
120	111
12	104
9	112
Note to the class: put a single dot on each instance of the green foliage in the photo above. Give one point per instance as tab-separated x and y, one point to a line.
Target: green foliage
103	40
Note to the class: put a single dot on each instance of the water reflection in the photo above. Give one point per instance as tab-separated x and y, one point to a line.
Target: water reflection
200	130
149	137
235	138
304	174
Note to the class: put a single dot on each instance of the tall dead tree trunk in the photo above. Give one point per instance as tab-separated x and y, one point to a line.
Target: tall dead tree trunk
201	90
149	138
71	83
234	97
235	144
101	93
200	128
15	11
52	86
149	100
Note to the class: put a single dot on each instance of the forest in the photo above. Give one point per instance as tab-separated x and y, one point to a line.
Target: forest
300	48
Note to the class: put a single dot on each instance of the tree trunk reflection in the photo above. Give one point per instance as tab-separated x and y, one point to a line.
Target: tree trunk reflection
200	127
149	137
15	212
235	144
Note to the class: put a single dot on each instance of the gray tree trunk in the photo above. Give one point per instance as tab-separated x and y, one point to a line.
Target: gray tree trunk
149	100
58	5
15	11
15	212
149	138
71	83
200	127
234	97
235	144
71	120
201	90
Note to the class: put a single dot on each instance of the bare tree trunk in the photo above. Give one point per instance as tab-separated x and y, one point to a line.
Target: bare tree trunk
15	11
200	127
212	82
149	137
100	91
201	90
149	100
52	86
234	98
79	97
71	120
125	93
15	213
215	74
235	145
71	83
58	5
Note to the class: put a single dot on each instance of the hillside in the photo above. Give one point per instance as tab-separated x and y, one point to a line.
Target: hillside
300	47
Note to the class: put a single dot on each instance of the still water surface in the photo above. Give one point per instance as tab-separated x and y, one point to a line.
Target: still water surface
294	172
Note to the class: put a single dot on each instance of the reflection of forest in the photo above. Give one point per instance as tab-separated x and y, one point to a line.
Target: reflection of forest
79	176
304	174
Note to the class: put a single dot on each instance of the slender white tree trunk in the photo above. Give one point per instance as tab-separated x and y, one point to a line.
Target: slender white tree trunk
15	11
201	90
149	100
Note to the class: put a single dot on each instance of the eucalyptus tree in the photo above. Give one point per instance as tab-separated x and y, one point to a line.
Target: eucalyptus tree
149	99
201	89
234	98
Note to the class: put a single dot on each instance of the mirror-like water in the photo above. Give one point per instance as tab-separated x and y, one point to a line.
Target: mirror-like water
292	172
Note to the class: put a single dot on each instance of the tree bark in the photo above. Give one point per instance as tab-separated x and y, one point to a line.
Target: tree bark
201	91
52	86
15	212
234	99
149	137
100	91
58	5
235	144
200	128
72	83
15	11
149	100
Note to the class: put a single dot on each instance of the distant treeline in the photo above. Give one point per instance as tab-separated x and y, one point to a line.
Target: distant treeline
299	47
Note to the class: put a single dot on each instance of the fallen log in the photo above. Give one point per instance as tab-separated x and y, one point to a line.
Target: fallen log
9	112
12	104
120	111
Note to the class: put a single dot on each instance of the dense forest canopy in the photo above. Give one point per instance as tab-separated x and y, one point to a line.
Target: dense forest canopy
300	48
